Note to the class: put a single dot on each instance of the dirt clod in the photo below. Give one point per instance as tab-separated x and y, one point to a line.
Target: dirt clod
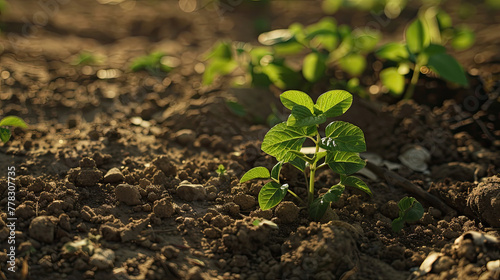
287	212
163	208
114	175
484	200
245	201
128	194
42	228
191	192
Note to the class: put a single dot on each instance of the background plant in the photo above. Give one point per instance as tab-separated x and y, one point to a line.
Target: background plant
410	210
322	45
338	149
154	63
425	42
14	121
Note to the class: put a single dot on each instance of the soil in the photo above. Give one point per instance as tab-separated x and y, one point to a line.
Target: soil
125	162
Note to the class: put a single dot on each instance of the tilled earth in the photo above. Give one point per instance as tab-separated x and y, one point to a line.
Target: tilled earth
123	164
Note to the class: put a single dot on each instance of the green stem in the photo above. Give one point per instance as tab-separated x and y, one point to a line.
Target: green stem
312	174
413	82
296	196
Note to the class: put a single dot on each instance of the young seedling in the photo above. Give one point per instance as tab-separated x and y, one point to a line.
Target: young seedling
424	46
324	44
410	210
154	63
5	132
338	149
221	170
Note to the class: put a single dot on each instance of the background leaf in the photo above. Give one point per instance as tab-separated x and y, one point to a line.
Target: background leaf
255	173
13	121
393	51
417	36
314	67
271	195
354	64
394	81
448	68
4	134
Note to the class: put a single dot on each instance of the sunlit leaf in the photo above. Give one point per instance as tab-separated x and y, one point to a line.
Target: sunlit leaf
281	139
271	195
343	136
394	81
255	173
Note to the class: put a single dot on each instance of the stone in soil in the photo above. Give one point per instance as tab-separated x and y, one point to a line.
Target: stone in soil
114	175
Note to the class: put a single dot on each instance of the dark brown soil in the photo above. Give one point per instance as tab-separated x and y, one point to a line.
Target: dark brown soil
126	161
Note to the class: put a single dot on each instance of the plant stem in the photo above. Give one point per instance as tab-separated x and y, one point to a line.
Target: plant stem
312	174
296	196
413	82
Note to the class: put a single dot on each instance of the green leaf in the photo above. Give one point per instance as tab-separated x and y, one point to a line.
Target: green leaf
463	39
236	108
13	121
417	36
314	67
298	163
333	103
354	64
4	134
302	156
410	210
275	172
302	116
281	139
291	98
271	195
366	40
397	224
333	193
319	206
343	136
355	182
331	6
255	173
433	49
344	162
448	68
393	51
218	67
282	76
222	50
394	81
